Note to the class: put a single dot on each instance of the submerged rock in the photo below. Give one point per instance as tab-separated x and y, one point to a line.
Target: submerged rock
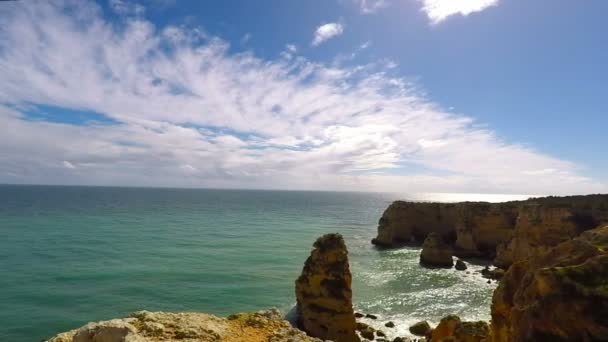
144	326
435	252
323	292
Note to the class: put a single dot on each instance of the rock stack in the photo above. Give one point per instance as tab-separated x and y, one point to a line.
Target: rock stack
323	292
436	252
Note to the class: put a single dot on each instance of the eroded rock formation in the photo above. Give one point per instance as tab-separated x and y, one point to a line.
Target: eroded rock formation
144	326
323	292
509	231
559	295
436	252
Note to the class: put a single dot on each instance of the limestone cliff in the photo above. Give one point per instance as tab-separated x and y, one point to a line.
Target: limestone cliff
509	231
559	295
323	292
144	326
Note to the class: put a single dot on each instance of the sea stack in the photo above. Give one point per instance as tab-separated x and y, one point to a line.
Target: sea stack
436	252
324	294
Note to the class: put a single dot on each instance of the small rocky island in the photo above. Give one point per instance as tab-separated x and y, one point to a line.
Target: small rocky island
552	258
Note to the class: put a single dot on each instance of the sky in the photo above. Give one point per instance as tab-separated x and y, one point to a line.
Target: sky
447	96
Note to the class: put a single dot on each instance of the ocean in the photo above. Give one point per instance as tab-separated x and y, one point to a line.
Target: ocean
71	255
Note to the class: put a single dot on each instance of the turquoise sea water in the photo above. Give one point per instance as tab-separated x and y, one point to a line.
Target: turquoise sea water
70	255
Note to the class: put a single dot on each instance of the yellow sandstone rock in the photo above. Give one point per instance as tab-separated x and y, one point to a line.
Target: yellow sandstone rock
323	292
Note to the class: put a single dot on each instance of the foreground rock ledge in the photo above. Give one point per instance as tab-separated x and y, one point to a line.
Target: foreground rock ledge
144	326
323	292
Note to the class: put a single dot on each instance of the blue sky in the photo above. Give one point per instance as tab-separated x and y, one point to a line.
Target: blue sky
484	96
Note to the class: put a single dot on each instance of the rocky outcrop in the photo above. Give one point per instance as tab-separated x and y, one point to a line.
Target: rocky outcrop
147	326
435	252
509	231
452	329
559	295
323	292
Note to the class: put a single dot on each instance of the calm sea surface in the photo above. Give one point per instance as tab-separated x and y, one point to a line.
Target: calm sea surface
70	255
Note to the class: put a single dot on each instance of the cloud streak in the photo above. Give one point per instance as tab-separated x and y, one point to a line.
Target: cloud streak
439	10
187	112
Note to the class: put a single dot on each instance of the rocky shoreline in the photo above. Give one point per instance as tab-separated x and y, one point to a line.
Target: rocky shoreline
552	258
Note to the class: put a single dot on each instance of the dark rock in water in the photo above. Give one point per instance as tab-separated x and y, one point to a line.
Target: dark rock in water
489	282
389	324
401	339
380	333
324	294
421	328
371	316
495	274
361	326
460	265
359	315
436	252
367	333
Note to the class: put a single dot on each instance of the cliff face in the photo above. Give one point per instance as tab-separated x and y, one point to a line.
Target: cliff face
323	292
144	326
509	231
559	295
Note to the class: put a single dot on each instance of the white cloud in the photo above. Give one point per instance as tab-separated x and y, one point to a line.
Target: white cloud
125	7
326	32
371	6
190	113
68	165
439	10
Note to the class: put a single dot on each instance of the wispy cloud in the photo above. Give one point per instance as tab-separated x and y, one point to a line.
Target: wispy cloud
371	6
187	112
439	10
326	32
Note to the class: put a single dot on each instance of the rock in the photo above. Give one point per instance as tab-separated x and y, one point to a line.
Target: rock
361	326
371	316
389	324
421	328
460	265
472	332
445	328
323	292
367	333
495	274
508	231
451	328
380	333
435	252
144	326
359	315
559	295
401	339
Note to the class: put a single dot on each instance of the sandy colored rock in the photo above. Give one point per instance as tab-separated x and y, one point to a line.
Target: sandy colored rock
436	252
144	326
560	295
323	292
506	232
452	329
